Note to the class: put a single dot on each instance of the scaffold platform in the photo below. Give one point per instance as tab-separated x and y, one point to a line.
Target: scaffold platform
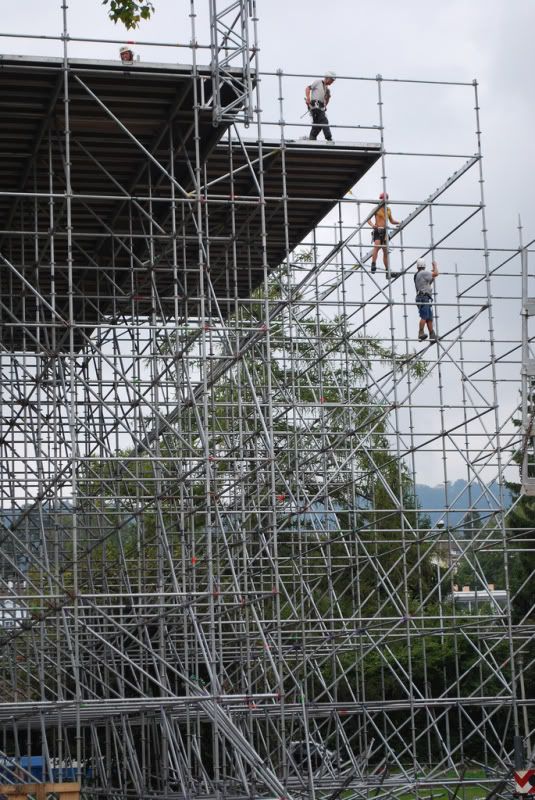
226	568
133	231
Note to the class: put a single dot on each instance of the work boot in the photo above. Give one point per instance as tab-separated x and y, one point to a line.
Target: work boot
432	335
374	266
422	337
391	275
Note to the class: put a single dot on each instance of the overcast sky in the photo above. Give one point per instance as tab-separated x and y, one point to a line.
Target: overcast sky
456	40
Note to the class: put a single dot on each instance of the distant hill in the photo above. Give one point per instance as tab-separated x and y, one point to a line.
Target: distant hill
433	499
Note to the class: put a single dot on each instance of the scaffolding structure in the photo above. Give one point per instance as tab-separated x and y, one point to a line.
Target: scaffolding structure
216	578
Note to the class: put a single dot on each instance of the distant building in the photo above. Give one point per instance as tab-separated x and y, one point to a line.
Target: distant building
446	554
473	598
13	610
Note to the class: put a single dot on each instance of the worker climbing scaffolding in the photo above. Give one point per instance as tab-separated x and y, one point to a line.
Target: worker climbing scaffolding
423	281
380	234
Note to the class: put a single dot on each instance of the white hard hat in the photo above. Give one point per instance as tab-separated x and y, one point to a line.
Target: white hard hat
125	49
420	264
330	75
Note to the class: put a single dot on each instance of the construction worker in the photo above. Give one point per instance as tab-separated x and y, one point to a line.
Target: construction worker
379	234
317	97
423	281
126	53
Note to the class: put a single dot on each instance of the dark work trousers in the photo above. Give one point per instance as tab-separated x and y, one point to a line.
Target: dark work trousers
320	123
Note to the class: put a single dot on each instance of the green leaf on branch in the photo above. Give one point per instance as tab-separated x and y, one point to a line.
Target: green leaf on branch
129	12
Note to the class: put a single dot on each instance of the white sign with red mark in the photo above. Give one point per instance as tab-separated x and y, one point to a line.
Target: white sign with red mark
525	781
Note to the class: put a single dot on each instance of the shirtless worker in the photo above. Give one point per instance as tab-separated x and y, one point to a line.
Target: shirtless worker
379	233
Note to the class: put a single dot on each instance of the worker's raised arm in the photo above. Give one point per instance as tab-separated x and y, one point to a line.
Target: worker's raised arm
307	95
391	218
434	271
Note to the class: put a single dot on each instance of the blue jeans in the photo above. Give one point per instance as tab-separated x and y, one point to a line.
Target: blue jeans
423	301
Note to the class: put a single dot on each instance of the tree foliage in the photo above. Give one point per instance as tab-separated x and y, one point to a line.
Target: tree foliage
129	12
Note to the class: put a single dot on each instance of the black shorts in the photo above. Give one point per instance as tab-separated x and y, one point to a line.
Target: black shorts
379	234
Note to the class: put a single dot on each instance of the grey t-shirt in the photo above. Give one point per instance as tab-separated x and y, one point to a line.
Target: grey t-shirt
423	280
318	91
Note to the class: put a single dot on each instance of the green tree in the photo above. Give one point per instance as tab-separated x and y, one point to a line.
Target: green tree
471	524
129	12
520	527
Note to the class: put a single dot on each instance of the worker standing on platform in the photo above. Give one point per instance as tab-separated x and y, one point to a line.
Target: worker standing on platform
379	234
317	97
423	281
126	54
